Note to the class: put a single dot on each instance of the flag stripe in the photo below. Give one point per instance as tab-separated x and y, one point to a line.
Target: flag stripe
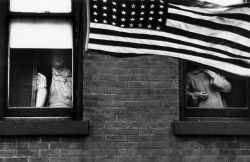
164	42
227	45
140	42
140	46
162	36
183	21
223	35
237	23
120	50
240	12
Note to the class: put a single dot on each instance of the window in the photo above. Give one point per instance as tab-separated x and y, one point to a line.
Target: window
212	101
204	98
40	48
230	118
42	44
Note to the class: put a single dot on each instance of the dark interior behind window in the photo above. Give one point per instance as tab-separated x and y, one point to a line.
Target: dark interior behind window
24	66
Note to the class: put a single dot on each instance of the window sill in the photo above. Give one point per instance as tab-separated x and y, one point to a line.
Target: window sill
212	127
44	128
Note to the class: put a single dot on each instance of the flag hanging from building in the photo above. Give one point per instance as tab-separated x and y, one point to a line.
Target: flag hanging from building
218	37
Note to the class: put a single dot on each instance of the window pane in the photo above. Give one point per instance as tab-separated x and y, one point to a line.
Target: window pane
209	88
41	6
40	78
55	34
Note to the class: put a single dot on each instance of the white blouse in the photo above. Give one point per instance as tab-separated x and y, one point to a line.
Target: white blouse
60	90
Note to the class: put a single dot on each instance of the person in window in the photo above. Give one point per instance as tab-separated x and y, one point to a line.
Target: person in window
205	88
54	86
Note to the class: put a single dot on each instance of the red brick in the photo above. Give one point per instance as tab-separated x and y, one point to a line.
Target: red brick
237	159
105	145
128	145
138	84
173	159
151	159
1	146
81	145
157	152
38	159
150	145
157	131
74	152
40	145
59	159
139	152
127	91
161	84
50	139
206	152
104	152
116	138
128	159
32	153
208	158
161	124
123	131
128	124
104	159
8	153
17	159
128	116
22	145
222	159
121	152
59	145
138	71
46	152
81	159
136	138
9	146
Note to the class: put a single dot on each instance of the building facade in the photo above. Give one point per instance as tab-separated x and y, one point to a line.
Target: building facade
131	105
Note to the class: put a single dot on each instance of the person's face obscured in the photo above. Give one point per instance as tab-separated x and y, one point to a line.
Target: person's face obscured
58	60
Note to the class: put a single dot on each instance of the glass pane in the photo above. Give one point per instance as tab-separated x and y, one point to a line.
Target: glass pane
40	78
41	6
209	88
41	34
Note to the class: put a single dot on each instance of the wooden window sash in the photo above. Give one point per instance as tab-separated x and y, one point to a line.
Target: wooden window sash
79	19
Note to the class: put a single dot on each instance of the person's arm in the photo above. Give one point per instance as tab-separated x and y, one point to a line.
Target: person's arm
219	82
193	98
41	90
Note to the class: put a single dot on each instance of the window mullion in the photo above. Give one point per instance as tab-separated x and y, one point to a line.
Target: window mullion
40	15
3	56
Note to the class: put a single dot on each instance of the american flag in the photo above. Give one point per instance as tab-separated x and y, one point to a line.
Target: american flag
217	37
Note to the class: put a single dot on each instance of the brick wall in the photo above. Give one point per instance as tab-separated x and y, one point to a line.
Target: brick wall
131	103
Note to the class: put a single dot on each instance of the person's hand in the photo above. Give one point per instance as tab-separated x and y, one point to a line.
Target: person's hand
210	73
41	81
200	95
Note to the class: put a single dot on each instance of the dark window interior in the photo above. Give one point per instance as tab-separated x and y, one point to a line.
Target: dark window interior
238	95
24	65
237	100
